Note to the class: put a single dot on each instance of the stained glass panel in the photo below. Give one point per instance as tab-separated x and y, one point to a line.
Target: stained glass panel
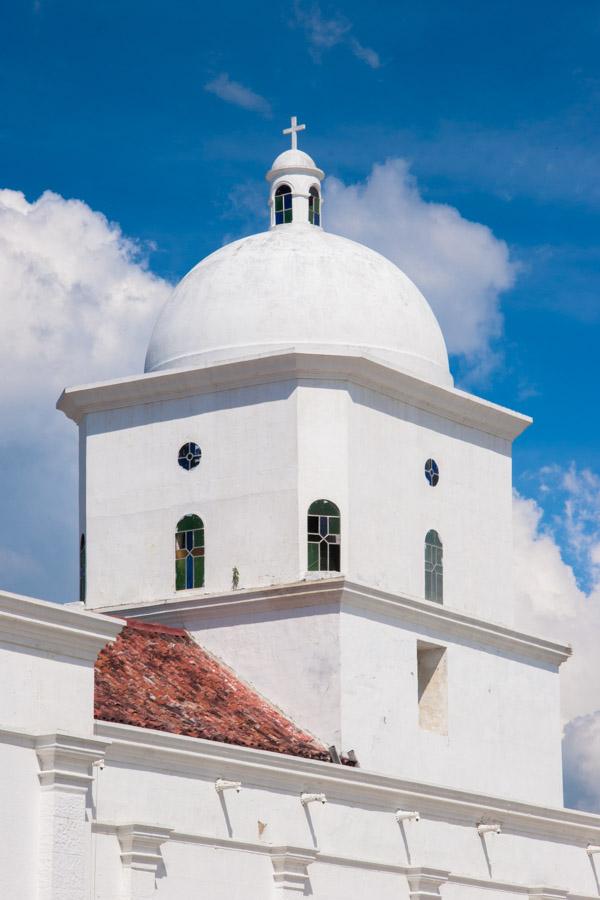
432	472
189	456
189	553
323	532
434	568
180	575
283	205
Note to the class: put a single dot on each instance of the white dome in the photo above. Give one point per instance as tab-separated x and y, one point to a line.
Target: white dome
298	286
294	159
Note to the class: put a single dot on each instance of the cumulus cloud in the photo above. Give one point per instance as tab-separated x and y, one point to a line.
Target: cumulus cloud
77	304
233	92
550	603
324	33
460	266
78	300
577	518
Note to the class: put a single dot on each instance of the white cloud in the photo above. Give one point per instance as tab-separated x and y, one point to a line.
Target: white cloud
581	749
237	94
549	603
77	303
367	54
324	33
460	266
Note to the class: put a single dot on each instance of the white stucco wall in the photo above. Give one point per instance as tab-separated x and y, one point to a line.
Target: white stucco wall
350	676
359	848
268	452
244	490
63	816
45	690
19	817
504	728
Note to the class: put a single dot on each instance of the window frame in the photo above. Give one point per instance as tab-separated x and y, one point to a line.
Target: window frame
324	537
314	206
434	567
190	553
283	213
189	455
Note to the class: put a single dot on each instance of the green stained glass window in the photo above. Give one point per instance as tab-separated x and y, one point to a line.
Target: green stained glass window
434	567
283	204
314	207
189	553
324	537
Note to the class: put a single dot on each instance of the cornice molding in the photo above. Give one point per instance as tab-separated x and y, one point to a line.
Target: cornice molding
425	882
548	893
351	596
315	855
453	623
52	628
66	760
290	868
141	845
296	364
289	774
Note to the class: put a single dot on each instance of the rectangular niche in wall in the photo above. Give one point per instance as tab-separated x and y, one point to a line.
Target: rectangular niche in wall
432	676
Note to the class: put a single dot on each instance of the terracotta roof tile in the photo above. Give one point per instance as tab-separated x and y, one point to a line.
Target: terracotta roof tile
158	677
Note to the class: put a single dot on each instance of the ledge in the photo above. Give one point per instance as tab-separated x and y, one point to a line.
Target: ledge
314	855
350	596
150	749
53	628
295	363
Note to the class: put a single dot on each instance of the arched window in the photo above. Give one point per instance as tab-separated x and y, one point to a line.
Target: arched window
434	567
283	204
82	567
189	553
323	537
314	207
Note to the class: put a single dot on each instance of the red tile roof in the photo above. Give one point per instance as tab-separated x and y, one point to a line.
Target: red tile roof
157	677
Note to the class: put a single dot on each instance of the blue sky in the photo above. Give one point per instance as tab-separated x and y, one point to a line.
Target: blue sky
165	117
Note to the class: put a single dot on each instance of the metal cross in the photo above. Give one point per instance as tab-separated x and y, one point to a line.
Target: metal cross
293	130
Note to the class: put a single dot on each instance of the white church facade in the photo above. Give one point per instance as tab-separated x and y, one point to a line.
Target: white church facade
294	668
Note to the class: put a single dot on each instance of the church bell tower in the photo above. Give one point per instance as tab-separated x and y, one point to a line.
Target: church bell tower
296	480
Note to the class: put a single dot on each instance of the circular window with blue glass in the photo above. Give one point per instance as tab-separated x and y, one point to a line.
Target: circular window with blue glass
432	472
189	456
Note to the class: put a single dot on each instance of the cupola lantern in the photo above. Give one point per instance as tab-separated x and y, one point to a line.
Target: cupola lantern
295	195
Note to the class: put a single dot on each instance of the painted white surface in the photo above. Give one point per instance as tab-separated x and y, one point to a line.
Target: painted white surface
297	285
63	818
298	171
268	451
19	820
358	690
320	372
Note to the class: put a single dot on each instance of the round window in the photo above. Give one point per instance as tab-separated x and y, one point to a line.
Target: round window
189	456
432	472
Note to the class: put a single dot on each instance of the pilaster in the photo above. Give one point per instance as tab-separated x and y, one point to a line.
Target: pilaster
65	775
425	883
141	857
290	869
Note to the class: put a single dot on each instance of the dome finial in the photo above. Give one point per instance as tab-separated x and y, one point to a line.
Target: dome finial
293	131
